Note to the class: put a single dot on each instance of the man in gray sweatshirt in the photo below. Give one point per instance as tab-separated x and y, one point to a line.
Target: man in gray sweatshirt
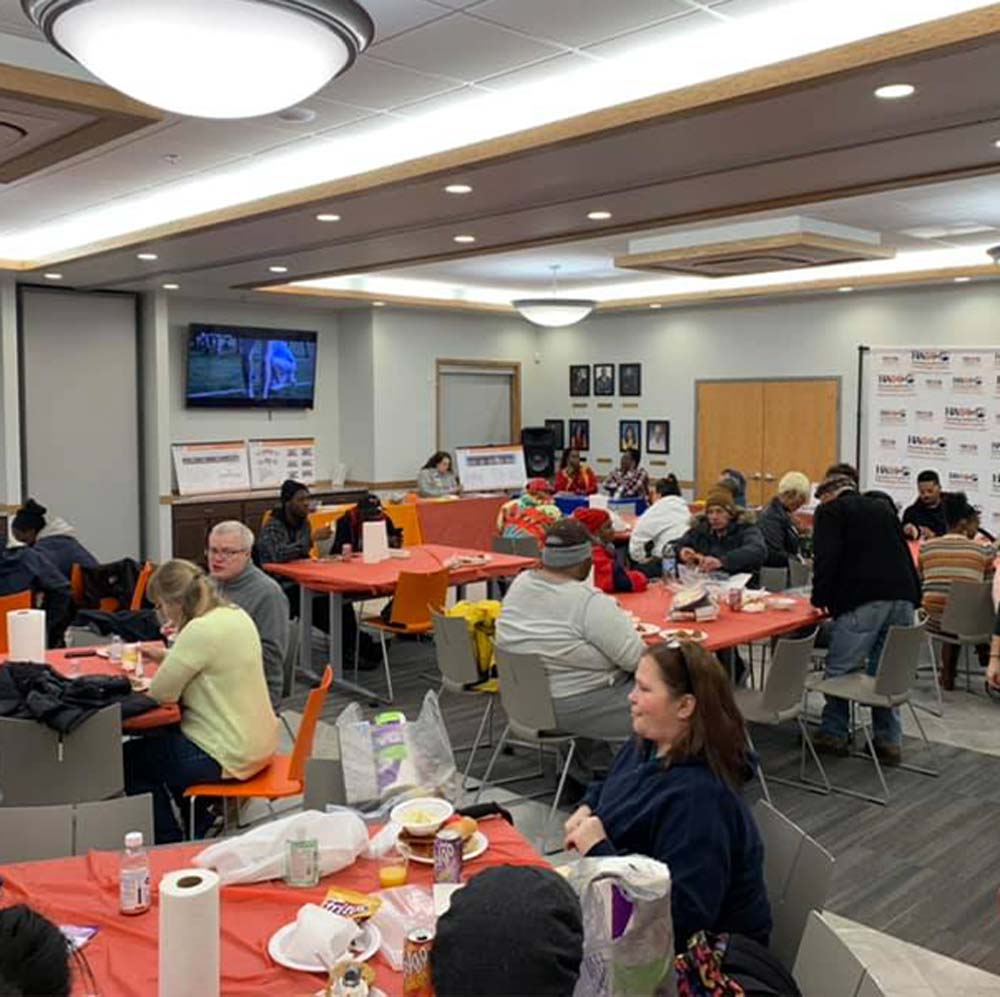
243	583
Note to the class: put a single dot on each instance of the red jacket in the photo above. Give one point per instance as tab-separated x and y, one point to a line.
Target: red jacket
609	576
584	483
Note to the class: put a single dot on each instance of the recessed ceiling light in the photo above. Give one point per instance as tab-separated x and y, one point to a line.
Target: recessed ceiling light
378	304
599	216
277	269
146	256
895	91
328	218
171	287
297	115
53	276
845	290
656	304
458	188
962	280
465	238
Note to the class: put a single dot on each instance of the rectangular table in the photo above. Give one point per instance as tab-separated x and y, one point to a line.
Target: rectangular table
354	580
123	954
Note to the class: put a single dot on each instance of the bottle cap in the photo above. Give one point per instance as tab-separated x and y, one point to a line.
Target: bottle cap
133	839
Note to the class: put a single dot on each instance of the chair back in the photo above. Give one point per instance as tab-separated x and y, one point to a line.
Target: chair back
525	693
799	573
774	579
969	610
455	652
502	545
897	664
526	547
417	594
104	824
786	679
826	966
28	834
797	873
139	592
9	604
324	784
302	749
76	583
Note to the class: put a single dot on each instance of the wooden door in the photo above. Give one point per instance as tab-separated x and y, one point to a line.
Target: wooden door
801	429
730	433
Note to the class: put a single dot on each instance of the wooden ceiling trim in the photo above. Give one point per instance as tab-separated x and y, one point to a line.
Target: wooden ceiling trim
402	300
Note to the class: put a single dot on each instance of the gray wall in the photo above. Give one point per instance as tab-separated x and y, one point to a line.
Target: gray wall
357	394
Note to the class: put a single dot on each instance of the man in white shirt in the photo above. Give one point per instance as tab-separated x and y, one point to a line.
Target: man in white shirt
665	521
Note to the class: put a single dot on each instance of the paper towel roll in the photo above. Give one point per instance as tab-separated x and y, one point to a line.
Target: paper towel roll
26	635
374	542
189	933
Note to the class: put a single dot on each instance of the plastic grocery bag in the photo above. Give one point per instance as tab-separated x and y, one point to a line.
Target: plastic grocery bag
387	759
260	854
628	933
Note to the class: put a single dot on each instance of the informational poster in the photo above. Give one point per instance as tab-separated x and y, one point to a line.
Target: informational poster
272	461
201	468
935	409
490	469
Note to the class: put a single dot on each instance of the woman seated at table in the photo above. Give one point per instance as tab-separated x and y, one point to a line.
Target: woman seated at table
436	477
781	534
54	538
630	481
723	538
609	575
574	477
215	670
659	527
673	793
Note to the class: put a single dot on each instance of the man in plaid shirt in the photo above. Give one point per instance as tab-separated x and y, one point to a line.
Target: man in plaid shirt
629	481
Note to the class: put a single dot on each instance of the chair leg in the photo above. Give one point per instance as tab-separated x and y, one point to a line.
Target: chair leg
385	662
559	791
935	672
191	819
936	771
760	767
493	758
475	744
807	743
967	648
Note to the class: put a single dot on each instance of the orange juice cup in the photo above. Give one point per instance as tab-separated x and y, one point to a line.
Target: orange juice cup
392	870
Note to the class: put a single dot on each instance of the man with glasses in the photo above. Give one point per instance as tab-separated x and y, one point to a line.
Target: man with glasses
240	581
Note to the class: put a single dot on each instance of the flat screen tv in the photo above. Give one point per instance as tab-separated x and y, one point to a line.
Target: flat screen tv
239	367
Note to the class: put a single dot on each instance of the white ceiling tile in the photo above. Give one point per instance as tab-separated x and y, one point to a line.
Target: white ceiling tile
463	48
538	72
746	8
673	30
377	85
329	114
393	16
456	4
444	101
577	22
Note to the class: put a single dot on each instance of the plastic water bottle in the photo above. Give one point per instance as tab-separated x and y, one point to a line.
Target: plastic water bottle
116	649
669	562
133	876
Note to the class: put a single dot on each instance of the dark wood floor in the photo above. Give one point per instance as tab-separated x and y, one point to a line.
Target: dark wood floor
925	869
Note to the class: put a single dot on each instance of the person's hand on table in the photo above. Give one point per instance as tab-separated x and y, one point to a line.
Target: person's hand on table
708	564
586	834
688	555
155	652
926	533
911	532
323	533
575	819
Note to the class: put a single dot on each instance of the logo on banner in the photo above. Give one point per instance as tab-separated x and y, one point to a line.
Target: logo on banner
972	385
888	443
965	416
892	416
995	484
972	360
892	360
930	359
964	481
927	446
934	383
896	384
924	415
893	474
995	450
968	449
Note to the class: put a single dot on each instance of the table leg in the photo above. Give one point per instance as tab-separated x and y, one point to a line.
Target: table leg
337	653
305	630
460	593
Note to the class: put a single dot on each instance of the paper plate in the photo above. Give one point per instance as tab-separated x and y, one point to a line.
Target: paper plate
472	849
647	629
684	633
370	938
781	602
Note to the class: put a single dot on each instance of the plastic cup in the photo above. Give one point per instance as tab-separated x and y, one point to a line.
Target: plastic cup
392	870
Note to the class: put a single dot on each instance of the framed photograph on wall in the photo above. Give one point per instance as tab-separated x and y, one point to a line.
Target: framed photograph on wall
657	436
604	379
629	434
630	380
558	427
579	381
579	434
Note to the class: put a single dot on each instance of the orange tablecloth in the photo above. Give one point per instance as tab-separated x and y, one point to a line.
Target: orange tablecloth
357	577
731	628
123	954
464	522
93	665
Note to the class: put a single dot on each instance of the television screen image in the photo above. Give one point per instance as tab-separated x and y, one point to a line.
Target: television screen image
234	367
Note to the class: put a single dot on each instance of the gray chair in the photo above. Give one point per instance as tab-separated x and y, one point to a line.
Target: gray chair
527	701
28	834
967	620
291	661
39	767
797	872
103	825
774	579
518	546
781	700
826	966
324	784
799	573
890	687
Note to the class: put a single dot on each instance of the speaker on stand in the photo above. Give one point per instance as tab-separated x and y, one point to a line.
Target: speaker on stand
539	451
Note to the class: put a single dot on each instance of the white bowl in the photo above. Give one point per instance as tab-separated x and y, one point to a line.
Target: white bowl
430	811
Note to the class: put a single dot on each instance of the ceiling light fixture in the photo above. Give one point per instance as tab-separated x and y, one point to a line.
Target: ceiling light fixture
458	188
554	312
962	280
599	216
895	91
378	304
465	238
277	269
147	257
223	59
171	287
328	218
656	304
845	290
53	276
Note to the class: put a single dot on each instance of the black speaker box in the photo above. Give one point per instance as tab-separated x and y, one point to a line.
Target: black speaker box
539	451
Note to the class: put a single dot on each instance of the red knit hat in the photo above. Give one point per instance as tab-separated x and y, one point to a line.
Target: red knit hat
592	519
538	485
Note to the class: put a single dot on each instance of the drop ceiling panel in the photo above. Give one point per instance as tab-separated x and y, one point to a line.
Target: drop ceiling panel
379	86
672	31
547	70
393	16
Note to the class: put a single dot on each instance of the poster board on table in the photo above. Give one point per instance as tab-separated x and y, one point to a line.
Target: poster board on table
490	469
202	468
933	408
273	461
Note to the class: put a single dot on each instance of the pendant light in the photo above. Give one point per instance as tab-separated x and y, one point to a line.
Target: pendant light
554	312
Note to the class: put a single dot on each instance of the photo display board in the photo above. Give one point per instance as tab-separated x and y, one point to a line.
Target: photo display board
488	469
202	468
272	461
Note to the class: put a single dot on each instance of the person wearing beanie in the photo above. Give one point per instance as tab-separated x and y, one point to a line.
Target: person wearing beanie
530	514
723	538
54	538
350	527
776	523
589	647
609	575
539	950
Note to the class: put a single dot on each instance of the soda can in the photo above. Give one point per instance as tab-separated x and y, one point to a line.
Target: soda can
417	964
735	599
448	856
346	552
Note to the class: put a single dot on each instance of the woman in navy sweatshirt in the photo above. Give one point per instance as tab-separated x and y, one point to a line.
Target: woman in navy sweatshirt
673	794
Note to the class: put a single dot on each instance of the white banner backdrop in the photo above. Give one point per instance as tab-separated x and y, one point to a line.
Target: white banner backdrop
936	409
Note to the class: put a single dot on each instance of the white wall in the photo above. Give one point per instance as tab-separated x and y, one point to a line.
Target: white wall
322	422
357	394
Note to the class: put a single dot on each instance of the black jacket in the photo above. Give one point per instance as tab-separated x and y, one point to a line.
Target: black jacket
350	530
23	569
780	534
860	555
921	515
740	548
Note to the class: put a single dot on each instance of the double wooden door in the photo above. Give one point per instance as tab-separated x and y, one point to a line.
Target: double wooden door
765	428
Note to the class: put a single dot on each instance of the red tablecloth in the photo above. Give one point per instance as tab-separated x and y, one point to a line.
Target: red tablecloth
464	522
123	954
731	628
94	665
357	577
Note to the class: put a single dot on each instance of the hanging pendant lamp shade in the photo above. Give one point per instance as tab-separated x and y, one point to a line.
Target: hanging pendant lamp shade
554	312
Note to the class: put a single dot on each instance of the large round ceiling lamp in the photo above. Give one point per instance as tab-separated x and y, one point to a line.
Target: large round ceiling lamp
554	312
209	58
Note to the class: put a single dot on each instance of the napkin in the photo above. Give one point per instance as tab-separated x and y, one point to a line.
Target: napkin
321	934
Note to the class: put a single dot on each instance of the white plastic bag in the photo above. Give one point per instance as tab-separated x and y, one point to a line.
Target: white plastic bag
639	962
260	854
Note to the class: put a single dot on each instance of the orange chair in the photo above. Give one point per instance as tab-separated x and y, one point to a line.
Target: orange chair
285	775
417	595
139	592
76	583
8	603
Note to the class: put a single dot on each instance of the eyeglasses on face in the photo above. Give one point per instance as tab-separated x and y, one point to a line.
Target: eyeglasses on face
227	553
